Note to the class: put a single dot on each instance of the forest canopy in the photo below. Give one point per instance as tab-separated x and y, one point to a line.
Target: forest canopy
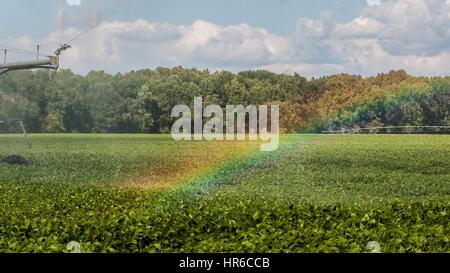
141	101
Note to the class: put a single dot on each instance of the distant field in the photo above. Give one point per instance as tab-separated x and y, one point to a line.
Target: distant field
138	193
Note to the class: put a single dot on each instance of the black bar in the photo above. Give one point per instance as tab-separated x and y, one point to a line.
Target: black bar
224	262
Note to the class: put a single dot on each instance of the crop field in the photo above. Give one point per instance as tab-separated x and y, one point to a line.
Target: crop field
147	193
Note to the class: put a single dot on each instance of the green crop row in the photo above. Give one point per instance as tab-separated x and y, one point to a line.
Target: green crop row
150	194
242	227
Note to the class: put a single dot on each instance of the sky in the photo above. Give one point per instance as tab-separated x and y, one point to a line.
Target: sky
312	38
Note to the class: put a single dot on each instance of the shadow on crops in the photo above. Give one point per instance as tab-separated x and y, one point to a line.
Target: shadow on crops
14	160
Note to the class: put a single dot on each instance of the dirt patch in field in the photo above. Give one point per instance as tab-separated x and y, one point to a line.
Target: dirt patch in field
14	160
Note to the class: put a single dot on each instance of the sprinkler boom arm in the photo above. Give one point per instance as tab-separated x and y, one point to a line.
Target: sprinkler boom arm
51	62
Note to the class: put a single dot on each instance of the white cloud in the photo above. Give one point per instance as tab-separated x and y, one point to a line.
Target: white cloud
360	27
73	2
118	45
373	2
409	34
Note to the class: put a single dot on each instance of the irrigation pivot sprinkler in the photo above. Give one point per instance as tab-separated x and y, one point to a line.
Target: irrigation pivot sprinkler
49	62
421	129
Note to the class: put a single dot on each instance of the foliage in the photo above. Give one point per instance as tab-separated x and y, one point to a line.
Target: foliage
141	101
123	193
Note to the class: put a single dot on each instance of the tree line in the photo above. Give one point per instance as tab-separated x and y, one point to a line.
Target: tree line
141	101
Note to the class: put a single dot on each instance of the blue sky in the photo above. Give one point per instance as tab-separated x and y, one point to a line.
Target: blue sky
36	17
312	38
